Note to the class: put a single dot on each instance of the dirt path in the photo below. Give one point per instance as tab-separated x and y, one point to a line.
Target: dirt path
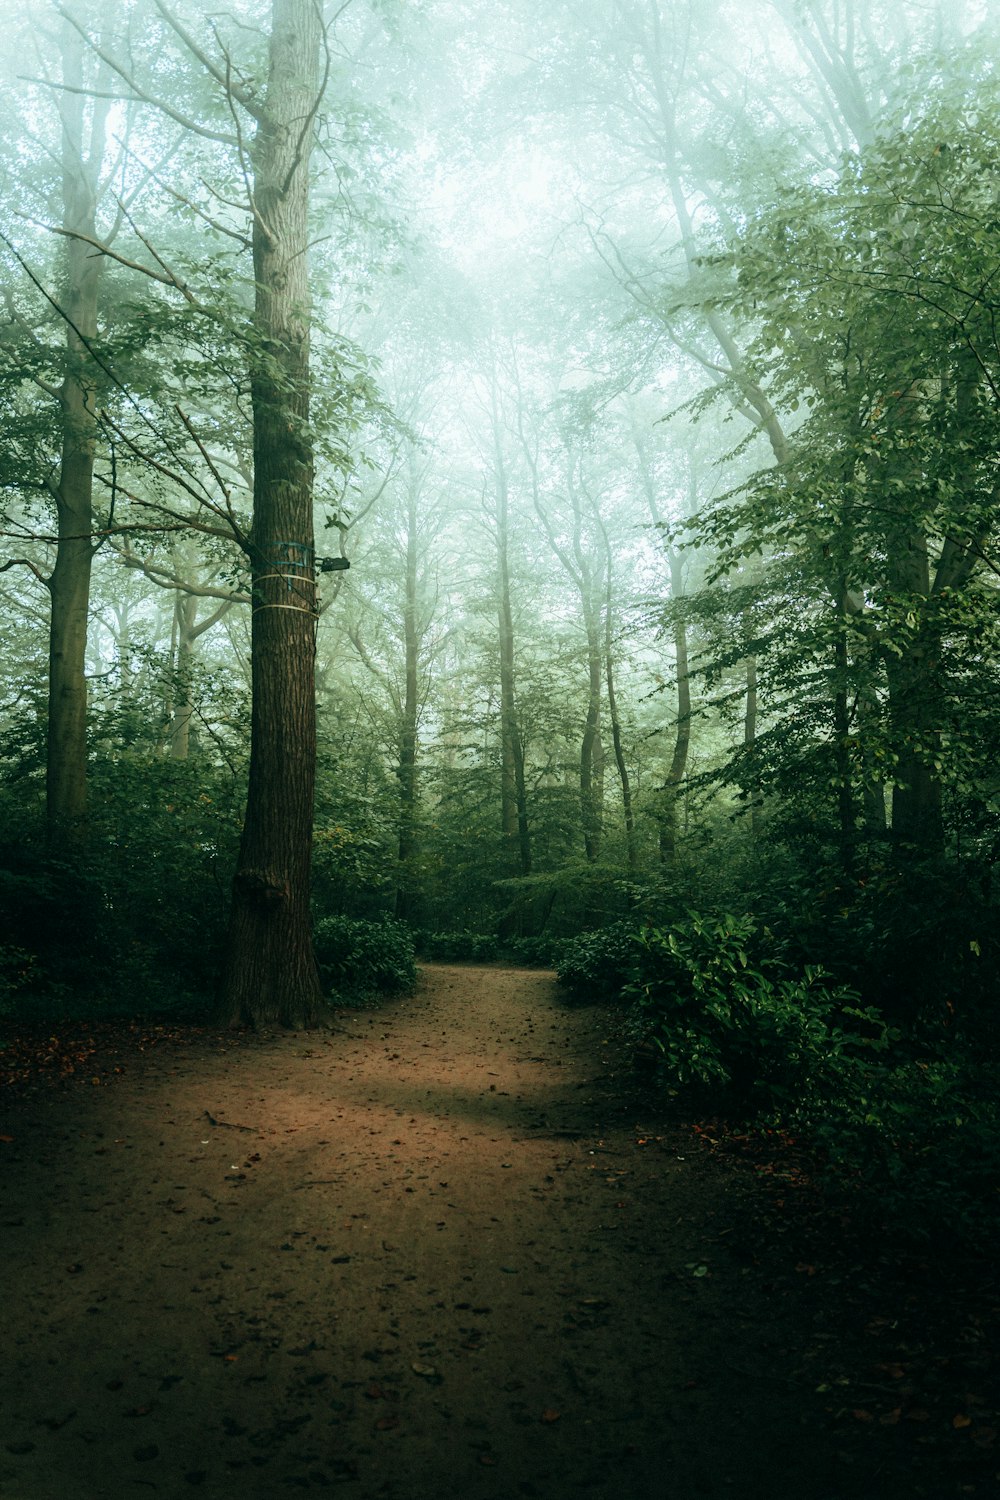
442	1252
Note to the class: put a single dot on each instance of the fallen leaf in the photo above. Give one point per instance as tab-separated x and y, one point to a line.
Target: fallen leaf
427	1371
551	1416
961	1420
6	1139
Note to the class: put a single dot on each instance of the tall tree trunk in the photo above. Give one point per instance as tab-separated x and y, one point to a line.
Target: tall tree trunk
271	973
513	796
591	750
682	732
185	634
750	743
406	770
842	749
631	852
913	664
69	581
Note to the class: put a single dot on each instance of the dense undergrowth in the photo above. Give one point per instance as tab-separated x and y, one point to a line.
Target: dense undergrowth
857	1015
904	1117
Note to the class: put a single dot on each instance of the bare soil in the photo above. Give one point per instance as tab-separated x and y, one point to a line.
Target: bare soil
450	1248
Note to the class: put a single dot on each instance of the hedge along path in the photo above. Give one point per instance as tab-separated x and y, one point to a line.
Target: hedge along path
442	1249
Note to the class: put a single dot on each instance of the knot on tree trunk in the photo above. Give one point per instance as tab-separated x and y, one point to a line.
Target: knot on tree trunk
261	889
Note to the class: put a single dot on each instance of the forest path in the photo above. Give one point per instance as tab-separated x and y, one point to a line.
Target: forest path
441	1251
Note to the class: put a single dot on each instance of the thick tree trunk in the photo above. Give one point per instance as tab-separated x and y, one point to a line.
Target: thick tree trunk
271	973
69	582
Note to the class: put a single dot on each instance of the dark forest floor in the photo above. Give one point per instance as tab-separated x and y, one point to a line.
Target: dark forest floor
453	1247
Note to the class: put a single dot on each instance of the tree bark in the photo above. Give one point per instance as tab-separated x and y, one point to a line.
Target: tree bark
513	795
271	973
682	732
69	581
406	770
631	851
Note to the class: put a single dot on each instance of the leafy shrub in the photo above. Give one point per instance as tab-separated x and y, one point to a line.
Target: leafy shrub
454	947
358	959
535	952
598	964
770	1038
17	973
922	1139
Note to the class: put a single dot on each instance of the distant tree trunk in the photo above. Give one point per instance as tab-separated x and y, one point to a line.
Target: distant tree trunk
406	770
682	732
631	852
750	742
187	629
69	581
591	749
271	973
513	796
913	663
841	748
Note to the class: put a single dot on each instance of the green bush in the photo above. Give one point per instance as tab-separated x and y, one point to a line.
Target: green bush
598	964
921	1138
17	973
358	959
454	947
535	952
769	1038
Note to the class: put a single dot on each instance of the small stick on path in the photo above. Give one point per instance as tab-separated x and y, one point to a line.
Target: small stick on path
227	1124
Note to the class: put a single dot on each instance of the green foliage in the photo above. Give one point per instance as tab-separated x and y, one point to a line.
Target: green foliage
138	925
17	973
598	964
448	947
358	959
920	1137
535	952
720	1020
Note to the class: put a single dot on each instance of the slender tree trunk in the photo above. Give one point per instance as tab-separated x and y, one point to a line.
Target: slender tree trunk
842	751
750	743
271	973
513	796
69	582
185	615
682	732
913	667
406	771
591	756
631	851
914	696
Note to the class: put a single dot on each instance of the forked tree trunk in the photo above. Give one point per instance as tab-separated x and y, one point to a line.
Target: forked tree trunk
271	973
